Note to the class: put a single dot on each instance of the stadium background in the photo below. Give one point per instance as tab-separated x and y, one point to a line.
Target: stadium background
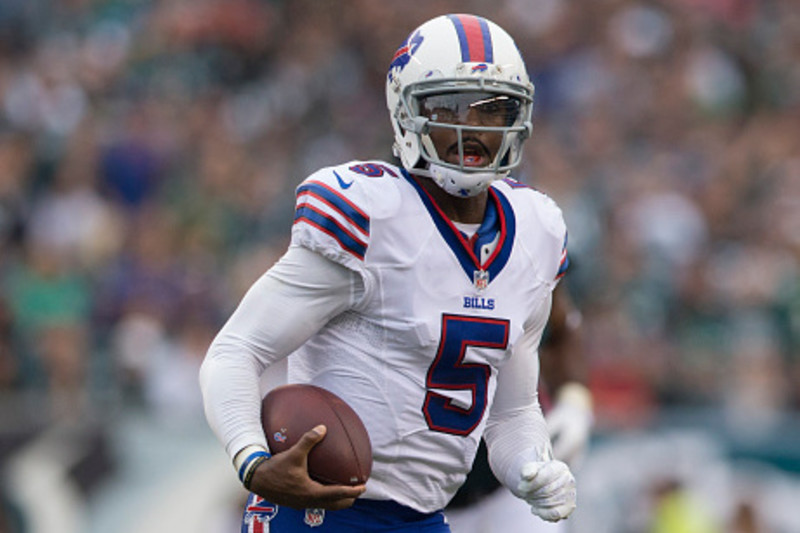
148	156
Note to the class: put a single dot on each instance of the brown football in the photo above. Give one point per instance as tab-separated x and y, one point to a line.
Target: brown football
343	457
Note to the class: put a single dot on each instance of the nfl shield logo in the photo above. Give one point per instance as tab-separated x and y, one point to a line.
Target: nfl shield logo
314	517
481	279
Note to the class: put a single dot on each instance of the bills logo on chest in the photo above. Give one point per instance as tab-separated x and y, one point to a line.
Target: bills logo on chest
478	302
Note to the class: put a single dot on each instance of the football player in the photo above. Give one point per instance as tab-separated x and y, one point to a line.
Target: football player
417	292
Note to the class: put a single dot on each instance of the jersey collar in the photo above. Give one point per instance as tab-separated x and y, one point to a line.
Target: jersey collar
499	219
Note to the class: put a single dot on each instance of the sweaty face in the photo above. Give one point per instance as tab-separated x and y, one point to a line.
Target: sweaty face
475	113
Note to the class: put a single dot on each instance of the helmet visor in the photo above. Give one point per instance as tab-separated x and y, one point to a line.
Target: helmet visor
471	108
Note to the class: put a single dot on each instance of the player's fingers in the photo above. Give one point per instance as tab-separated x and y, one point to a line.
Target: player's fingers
339	504
335	492
555	513
530	470
545	477
339	496
310	438
549	488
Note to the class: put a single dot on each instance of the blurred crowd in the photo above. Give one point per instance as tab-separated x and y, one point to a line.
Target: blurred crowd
149	151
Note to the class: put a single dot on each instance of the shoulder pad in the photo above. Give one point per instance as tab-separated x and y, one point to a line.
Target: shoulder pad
550	241
335	205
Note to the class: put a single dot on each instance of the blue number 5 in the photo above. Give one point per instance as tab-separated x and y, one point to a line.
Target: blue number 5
448	371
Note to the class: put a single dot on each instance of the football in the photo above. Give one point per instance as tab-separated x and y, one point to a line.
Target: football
343	457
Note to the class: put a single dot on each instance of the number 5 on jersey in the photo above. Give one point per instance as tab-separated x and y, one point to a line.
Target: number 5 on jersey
449	372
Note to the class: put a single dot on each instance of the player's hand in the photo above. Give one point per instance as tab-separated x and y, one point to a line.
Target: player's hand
284	480
570	423
549	488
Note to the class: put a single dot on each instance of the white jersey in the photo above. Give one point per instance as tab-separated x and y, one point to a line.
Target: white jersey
418	356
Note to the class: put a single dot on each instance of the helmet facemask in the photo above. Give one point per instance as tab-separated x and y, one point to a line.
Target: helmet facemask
471	108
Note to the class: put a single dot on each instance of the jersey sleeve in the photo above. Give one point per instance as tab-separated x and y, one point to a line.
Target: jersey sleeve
332	216
282	309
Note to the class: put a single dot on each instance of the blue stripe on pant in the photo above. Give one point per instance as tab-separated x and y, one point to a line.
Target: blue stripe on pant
365	516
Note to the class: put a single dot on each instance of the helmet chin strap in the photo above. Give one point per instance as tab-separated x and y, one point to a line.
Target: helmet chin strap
462	184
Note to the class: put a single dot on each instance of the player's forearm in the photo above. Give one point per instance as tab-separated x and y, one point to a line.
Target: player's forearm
231	398
255	336
284	308
515	441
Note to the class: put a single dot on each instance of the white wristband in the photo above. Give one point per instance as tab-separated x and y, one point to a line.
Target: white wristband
246	461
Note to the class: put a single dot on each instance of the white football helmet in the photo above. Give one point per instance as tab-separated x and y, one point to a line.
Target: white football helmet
464	62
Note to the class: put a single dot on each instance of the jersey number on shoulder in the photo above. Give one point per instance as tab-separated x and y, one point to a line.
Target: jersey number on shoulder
449	372
373	170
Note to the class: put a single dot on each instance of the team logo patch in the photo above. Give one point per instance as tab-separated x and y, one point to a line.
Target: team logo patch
404	53
258	514
314	517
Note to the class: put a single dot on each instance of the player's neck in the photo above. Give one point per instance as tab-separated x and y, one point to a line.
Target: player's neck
469	210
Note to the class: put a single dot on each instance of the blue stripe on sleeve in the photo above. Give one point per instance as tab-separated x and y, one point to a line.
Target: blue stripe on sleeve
338	202
331	227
